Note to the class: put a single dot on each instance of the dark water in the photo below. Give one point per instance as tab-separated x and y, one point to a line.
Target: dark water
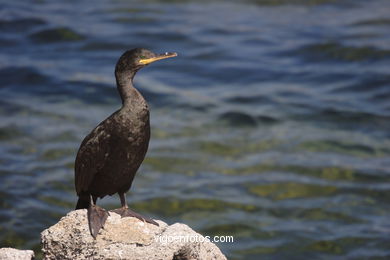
271	126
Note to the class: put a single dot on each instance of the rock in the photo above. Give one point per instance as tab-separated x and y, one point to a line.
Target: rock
124	238
7	253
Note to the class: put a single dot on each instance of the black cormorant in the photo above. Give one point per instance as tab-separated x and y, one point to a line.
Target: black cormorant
109	157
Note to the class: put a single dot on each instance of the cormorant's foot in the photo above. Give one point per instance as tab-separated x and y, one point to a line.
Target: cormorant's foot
96	219
126	212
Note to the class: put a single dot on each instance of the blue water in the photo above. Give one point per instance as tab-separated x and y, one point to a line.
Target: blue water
272	125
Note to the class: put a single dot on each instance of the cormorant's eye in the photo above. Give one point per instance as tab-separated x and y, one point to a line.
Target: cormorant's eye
142	57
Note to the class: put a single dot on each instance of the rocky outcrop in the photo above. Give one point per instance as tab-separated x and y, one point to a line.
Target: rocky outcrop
124	238
7	253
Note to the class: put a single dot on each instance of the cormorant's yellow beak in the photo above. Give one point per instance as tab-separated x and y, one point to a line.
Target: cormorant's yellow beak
158	57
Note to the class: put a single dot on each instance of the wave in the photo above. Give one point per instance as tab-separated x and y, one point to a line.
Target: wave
59	34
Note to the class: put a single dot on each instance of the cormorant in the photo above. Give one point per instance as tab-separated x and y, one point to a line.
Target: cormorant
109	157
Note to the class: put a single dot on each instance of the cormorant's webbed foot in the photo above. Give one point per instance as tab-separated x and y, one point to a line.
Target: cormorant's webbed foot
126	212
96	219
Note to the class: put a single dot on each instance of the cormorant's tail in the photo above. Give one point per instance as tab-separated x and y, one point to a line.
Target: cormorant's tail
82	203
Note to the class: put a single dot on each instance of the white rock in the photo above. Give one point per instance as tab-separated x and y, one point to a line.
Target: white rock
7	253
124	238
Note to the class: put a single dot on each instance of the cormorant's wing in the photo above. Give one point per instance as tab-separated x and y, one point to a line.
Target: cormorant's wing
91	156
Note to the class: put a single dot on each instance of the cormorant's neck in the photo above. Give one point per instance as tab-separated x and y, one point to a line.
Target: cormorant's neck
124	82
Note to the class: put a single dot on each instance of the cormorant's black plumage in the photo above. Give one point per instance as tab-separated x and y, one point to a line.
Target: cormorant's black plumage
111	154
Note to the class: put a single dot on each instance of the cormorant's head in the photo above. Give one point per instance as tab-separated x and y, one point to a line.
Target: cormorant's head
138	58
